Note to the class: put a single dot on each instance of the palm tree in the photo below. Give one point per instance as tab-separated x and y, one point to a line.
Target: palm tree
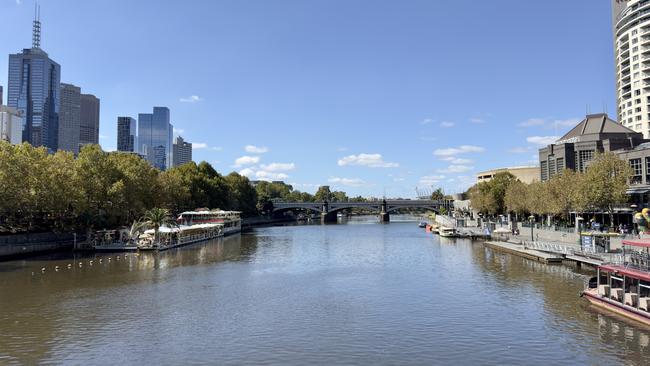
157	217
135	230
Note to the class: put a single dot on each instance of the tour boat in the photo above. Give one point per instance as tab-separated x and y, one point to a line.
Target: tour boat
422	224
624	288
231	220
172	237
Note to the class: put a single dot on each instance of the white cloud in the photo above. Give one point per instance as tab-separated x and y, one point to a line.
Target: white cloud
463	149
447	124
426	121
191	99
248	172
278	167
453	169
532	122
264	175
542	140
457	161
256	149
246	160
550	123
350	182
571	122
204	146
369	160
431	180
477	120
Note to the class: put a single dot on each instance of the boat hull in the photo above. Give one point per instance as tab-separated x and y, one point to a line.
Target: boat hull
616	307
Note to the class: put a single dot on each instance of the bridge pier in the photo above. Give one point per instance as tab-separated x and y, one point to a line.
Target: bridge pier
384	217
328	217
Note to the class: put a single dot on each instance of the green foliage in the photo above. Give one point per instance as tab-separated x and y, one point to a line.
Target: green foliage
438	195
323	194
489	197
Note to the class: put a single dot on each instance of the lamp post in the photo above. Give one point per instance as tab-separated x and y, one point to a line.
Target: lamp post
531	218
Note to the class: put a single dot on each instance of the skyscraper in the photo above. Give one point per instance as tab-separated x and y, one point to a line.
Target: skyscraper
1	95
69	117
33	90
155	137
126	134
89	126
631	25
182	151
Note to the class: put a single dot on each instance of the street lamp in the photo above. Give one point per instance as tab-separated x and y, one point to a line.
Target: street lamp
531	218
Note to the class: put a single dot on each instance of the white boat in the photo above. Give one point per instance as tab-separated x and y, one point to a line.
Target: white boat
231	220
113	241
172	237
448	232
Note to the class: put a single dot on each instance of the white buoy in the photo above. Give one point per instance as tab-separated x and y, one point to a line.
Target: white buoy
69	266
43	269
56	268
100	260
91	263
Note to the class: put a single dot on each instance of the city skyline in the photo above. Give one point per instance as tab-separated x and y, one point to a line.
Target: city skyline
374	109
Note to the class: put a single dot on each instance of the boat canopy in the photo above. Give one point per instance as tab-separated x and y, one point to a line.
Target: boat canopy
642	275
641	243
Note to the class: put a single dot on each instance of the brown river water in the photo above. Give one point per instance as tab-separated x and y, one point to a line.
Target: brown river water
356	294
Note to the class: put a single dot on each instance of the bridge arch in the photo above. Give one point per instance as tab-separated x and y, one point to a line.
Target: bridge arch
436	209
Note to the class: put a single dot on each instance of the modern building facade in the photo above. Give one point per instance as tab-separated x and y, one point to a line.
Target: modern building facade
89	123
34	85
155	134
526	174
11	125
127	134
1	94
69	118
182	153
631	25
596	133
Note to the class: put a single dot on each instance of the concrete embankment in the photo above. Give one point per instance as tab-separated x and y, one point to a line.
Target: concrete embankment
13	246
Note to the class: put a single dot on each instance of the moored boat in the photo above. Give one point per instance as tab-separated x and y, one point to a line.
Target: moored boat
624	288
448	232
172	237
422	225
231	220
113	241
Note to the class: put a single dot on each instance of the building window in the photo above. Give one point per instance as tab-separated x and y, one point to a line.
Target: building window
637	171
647	169
544	169
637	101
583	158
638	118
635	48
635	58
635	40
637	109
637	127
560	165
637	92
551	166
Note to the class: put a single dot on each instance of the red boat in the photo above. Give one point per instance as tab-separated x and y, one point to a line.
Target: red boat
624	288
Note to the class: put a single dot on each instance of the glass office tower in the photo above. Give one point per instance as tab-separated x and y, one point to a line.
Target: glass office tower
127	134
155	135
34	86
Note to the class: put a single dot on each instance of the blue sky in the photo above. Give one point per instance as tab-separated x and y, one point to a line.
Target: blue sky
370	97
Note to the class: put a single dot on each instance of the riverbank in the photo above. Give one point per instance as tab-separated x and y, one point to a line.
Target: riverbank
25	245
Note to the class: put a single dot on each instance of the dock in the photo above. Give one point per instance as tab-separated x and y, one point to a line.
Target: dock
519	250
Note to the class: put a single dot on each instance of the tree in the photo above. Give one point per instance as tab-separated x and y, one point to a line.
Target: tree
606	182
155	218
323	194
243	197
515	198
438	195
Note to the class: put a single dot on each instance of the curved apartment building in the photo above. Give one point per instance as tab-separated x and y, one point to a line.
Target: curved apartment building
631	25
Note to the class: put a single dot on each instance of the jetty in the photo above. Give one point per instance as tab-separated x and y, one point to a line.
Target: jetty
522	251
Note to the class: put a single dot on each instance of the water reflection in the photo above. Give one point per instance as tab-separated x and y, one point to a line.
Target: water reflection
354	293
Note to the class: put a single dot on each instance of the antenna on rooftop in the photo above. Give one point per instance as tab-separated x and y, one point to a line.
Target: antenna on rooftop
36	28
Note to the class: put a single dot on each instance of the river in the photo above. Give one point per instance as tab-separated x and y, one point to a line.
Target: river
357	293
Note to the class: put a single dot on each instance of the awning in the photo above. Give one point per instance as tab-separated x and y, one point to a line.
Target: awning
642	243
638	190
629	272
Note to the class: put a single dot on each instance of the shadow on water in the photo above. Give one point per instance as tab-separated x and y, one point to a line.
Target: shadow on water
32	301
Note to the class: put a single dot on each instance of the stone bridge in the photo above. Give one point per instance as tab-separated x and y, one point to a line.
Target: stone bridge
328	210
